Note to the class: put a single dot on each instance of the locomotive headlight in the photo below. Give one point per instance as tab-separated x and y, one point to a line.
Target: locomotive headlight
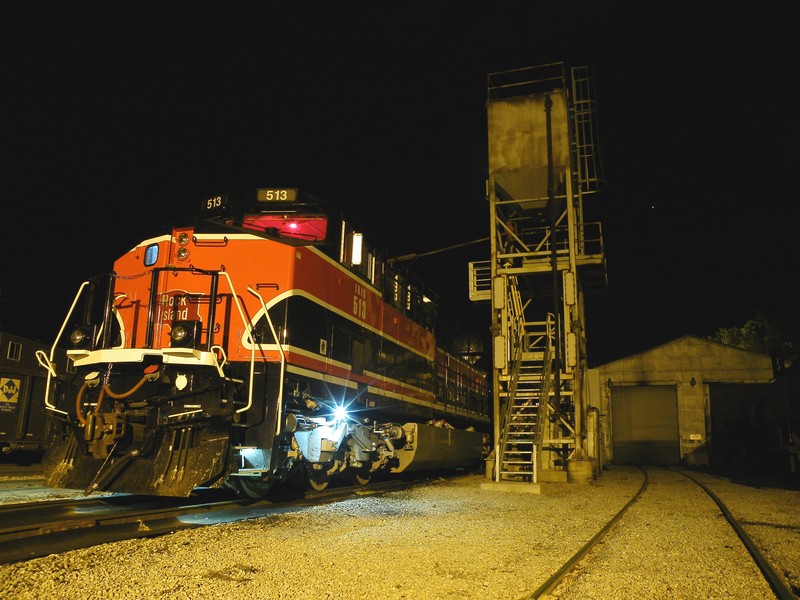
81	336
182	253
339	414
185	334
183	239
78	337
179	334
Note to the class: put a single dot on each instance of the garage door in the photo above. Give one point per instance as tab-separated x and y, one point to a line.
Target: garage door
731	405
644	425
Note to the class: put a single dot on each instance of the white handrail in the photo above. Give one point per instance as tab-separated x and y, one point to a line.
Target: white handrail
249	329
283	358
51	373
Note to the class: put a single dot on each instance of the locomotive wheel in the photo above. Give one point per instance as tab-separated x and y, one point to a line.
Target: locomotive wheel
249	487
360	475
315	479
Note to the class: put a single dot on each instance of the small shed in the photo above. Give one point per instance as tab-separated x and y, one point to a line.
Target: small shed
687	402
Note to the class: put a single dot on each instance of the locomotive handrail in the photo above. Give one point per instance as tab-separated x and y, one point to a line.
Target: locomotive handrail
249	329
283	357
220	362
44	362
209	242
49	366
212	294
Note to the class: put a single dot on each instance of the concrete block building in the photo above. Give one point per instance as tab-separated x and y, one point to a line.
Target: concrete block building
687	402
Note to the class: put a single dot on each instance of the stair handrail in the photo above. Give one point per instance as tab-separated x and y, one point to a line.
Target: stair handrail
545	383
516	348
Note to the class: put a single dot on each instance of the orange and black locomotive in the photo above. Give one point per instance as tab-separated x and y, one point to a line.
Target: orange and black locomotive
264	341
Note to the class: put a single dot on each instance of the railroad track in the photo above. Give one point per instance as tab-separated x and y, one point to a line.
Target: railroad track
34	529
662	490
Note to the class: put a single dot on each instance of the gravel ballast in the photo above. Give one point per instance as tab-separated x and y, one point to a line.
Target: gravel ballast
449	539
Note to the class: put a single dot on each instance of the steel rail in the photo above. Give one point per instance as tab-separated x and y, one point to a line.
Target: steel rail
777	584
35	529
568	566
775	581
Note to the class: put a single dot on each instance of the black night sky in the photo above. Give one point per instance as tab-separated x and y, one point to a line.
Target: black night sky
116	128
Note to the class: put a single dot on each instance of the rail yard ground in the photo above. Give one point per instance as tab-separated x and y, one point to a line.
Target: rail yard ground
452	539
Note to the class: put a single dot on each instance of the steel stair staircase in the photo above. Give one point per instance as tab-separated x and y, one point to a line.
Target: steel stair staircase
525	390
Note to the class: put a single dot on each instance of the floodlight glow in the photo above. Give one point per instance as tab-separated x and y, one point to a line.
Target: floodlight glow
339	413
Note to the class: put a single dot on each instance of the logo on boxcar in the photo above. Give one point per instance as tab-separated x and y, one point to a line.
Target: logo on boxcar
9	393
